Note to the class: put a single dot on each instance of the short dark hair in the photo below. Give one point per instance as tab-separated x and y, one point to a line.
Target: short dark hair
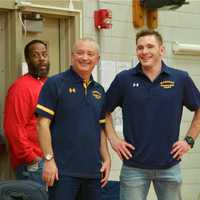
26	49
149	32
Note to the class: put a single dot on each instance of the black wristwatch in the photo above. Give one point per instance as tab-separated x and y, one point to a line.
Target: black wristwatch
190	141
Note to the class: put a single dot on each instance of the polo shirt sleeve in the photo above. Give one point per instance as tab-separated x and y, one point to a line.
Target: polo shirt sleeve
191	97
114	95
47	102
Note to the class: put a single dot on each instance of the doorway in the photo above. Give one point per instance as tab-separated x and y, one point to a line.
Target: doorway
5	170
2	63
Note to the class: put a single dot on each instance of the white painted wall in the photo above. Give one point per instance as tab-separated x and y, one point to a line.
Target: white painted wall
118	44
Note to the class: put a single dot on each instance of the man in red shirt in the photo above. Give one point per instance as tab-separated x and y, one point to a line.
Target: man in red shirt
19	118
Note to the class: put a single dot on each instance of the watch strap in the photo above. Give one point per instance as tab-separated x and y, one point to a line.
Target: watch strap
189	140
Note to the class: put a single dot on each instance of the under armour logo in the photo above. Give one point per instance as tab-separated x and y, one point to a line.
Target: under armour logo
72	90
135	84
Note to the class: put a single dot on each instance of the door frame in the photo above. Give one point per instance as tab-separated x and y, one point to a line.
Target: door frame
70	30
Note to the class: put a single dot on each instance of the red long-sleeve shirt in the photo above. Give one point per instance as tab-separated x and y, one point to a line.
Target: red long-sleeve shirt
20	121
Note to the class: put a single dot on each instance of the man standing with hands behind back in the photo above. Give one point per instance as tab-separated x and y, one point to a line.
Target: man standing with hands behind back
70	128
19	118
152	96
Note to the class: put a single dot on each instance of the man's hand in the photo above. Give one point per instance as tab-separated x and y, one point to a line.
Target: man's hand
180	148
121	147
105	171
50	172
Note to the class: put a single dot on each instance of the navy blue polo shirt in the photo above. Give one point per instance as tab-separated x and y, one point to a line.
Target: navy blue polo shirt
75	111
152	112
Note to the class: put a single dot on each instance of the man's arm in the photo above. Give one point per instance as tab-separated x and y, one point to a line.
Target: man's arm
182	147
50	171
194	129
18	114
105	156
120	146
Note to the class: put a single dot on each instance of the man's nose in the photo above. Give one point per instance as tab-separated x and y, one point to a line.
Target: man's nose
145	50
85	56
42	57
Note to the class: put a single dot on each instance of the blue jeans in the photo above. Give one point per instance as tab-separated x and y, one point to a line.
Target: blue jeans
24	172
72	188
135	183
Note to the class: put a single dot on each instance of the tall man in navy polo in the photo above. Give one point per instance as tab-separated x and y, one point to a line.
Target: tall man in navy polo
70	128
152	96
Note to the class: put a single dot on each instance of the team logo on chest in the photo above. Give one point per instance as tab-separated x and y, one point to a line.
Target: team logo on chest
72	90
167	84
96	94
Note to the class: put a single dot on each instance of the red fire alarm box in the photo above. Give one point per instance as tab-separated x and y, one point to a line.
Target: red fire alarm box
103	19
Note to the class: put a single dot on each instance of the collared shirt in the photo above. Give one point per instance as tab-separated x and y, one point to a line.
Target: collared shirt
152	112
20	121
74	108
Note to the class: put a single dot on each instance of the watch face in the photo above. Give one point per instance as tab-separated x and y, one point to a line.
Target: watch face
189	140
48	157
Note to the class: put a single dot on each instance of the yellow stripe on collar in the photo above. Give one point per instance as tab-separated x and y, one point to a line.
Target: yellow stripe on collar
86	83
102	121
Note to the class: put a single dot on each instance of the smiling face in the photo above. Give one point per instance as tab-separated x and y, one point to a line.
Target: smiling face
37	60
149	51
85	56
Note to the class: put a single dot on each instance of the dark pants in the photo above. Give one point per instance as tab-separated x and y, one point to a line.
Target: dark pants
71	187
109	192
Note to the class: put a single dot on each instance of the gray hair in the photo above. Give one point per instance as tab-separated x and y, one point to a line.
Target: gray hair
86	39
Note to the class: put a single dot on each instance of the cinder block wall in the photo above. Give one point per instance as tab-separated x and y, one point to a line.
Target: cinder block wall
118	44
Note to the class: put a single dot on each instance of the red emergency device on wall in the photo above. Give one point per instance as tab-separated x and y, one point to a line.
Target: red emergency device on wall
103	19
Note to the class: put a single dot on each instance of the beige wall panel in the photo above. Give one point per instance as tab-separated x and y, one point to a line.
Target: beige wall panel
89	7
190	65
191	160
7	4
176	34
179	19
58	3
191	175
190	192
89	27
192	7
115	45
124	7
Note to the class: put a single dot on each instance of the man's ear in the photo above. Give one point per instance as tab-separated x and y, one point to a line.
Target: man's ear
162	50
98	59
